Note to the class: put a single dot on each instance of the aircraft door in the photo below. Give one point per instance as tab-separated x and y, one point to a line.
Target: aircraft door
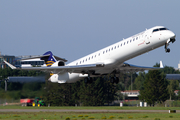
147	39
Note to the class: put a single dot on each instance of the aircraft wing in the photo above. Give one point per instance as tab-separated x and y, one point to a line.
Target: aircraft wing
60	69
136	68
87	68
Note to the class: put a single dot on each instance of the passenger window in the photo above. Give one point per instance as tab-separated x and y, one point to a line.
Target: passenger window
133	39
137	38
127	42
121	44
112	48
118	46
115	47
124	43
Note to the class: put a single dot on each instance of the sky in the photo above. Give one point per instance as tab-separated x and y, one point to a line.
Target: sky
72	29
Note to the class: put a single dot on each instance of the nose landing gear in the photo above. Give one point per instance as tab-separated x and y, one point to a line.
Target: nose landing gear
167	44
166	48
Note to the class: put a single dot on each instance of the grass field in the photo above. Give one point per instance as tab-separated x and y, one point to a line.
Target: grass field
89	116
96	108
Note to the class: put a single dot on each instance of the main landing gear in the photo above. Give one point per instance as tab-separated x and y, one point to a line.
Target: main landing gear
88	80
114	80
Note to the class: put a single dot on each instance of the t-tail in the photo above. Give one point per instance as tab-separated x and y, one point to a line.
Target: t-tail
49	60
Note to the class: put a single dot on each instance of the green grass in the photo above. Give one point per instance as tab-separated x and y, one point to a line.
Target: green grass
88	116
95	116
94	108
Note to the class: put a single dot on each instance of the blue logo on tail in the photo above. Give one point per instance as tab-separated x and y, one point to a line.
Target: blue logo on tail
49	60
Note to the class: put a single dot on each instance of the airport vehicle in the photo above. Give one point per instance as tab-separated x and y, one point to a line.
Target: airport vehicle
26	102
38	102
32	102
109	60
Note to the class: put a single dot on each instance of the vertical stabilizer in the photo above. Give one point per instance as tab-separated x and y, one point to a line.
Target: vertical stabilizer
49	60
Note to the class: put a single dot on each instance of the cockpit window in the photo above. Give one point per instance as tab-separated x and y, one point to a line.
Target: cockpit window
159	29
155	30
163	29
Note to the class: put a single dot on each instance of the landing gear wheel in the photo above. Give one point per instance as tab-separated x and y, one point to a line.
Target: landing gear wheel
168	50
86	80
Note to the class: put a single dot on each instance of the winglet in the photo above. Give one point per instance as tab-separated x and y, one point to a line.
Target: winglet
10	65
161	64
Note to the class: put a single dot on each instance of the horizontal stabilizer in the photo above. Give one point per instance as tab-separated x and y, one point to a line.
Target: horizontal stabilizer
10	65
47	54
161	64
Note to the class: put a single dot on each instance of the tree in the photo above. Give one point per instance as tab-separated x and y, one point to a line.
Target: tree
139	81
173	85
97	93
154	88
59	94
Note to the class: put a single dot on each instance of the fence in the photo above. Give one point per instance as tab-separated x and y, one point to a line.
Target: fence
9	102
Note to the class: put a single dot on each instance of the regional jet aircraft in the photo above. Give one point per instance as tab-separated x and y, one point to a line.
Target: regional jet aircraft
109	60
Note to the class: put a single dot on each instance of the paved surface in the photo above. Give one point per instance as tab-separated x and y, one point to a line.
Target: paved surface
86	111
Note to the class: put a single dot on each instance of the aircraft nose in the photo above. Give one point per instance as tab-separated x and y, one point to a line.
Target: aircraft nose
172	35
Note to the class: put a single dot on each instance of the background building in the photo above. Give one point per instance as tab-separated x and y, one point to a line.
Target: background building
8	58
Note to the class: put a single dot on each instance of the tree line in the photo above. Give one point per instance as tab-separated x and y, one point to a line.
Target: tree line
153	86
16	90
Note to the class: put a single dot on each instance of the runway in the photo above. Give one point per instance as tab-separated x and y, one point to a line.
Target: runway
86	111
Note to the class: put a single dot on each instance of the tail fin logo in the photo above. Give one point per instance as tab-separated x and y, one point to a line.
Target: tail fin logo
49	60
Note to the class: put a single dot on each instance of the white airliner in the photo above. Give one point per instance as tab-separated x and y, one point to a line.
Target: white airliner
109	60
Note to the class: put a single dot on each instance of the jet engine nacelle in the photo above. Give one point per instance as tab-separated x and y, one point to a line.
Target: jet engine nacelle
59	63
65	77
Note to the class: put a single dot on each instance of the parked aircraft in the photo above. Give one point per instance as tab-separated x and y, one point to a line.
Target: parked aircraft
109	60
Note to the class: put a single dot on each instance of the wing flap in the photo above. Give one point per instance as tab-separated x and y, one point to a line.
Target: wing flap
136	68
72	69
